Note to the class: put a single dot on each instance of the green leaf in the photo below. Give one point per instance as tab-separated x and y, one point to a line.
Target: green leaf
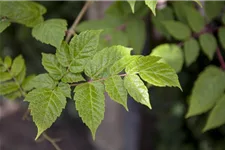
63	55
114	86
45	105
208	44
132	4
171	54
177	29
91	105
213	9
72	77
141	64
136	33
198	2
50	32
44	81
180	10
65	89
21	76
151	4
27	84
223	18
4	76
8	87
160	74
216	117
103	60
137	89
13	95
27	13
221	35
51	64
17	65
4	25
121	64
82	48
191	51
209	86
194	19
7	62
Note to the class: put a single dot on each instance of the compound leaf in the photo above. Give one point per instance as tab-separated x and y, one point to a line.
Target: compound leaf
191	51
91	105
216	116
207	89
137	89
45	105
52	65
50	32
114	86
208	44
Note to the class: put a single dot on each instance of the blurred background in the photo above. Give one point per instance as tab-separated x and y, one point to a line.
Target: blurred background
162	128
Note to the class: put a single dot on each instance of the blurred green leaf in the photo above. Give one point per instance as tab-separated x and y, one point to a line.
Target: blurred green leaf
221	35
17	65
4	25
191	51
152	5
213	9
207	89
208	44
8	87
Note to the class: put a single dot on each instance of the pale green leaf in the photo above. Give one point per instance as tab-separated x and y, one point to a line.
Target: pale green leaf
82	48
100	64
160	74
45	105
194	19
171	54
141	64
213	9
17	65
72	77
136	33
191	51
221	35
151	4
4	76
8	87
50	32
209	86
114	86
178	30
137	89
27	84
132	4
44	81
121	64
208	44
91	105
216	116
63	55
198	2
65	89
27	13
3	25
52	65
13	95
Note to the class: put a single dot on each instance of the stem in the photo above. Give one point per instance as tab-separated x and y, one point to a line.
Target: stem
71	30
102	79
220	57
52	141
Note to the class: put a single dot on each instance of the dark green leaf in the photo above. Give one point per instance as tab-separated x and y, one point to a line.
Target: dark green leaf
221	35
213	9
208	44
209	86
191	51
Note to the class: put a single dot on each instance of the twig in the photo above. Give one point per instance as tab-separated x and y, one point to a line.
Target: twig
52	141
220	57
71	30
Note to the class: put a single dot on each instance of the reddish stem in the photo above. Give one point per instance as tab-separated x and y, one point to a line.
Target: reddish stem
220	57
